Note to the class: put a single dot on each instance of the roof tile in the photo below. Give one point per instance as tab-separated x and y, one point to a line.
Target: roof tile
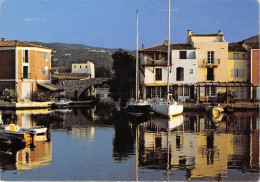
164	47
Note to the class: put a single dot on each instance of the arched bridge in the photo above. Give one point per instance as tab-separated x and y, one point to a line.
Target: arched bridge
74	88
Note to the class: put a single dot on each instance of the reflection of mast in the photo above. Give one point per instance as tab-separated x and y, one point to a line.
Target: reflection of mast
168	154
137	152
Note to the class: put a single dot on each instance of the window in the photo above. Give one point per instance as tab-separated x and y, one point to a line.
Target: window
237	73
158	73
184	90
26	56
25	73
74	66
46	71
46	56
156	56
183	54
239	92
86	66
210	74
210	90
191	71
235	56
80	66
211	57
179	74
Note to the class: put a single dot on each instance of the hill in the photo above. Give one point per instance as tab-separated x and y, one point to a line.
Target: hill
63	55
253	38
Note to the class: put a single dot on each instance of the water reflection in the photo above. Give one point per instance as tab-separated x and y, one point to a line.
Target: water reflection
191	145
37	153
202	147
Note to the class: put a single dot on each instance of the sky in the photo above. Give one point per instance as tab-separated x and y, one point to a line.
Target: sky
112	23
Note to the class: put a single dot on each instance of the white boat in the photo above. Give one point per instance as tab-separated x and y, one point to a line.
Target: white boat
63	103
40	130
170	110
170	123
138	104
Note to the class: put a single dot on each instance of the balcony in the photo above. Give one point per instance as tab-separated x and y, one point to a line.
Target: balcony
211	63
155	63
25	75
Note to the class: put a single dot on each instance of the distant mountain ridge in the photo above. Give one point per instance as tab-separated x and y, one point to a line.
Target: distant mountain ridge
63	55
253	38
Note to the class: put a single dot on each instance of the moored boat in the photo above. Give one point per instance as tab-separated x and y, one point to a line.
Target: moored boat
169	110
63	103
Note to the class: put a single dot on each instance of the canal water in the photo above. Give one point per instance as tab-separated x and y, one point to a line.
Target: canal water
96	143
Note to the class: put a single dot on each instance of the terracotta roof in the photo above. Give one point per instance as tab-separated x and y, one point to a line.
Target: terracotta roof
164	47
51	87
17	43
70	76
252	45
236	47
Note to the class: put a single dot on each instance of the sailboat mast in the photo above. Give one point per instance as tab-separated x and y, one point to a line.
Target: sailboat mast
137	60
169	46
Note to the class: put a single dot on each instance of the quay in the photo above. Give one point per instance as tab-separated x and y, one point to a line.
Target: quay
238	106
25	105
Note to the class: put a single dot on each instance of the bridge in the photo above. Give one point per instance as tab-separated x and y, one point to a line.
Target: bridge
75	88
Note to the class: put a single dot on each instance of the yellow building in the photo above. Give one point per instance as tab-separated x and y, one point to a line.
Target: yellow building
238	68
212	57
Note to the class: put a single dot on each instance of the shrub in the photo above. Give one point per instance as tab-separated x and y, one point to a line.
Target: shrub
9	95
41	96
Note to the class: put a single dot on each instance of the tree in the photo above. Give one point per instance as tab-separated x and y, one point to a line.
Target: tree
124	80
102	71
9	95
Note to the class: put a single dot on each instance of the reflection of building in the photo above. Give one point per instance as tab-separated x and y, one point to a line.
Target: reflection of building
83	132
30	159
205	149
24	117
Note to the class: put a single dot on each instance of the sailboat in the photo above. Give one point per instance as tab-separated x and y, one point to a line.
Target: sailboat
168	108
138	104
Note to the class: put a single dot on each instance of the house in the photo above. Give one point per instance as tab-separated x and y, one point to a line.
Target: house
25	67
202	69
212	57
87	67
238	70
254	57
153	66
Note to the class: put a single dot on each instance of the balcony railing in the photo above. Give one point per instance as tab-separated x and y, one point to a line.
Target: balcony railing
25	75
211	63
155	63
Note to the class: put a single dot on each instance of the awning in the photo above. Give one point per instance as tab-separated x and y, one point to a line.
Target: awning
51	87
157	84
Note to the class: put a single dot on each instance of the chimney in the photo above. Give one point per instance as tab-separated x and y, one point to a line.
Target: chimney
3	39
220	32
166	42
189	32
142	46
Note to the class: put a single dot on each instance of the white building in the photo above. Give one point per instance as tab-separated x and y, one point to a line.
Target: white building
84	68
153	70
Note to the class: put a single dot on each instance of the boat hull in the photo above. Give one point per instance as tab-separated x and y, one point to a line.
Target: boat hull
162	109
